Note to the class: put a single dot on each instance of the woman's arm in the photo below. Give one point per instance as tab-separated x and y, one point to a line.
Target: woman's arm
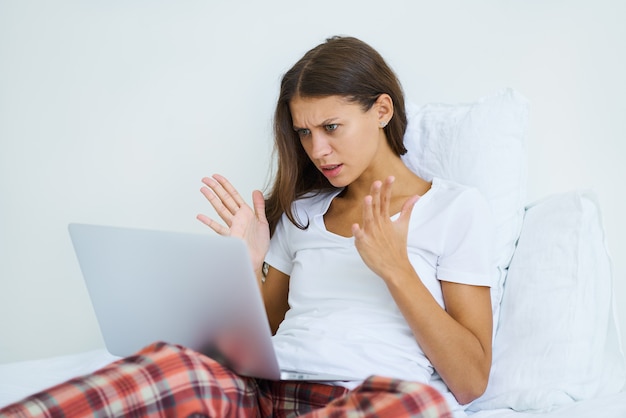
457	340
249	224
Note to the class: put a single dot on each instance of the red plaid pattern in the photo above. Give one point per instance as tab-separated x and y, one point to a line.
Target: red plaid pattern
381	397
170	381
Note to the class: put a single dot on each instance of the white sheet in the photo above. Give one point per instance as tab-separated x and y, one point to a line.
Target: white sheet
612	406
18	380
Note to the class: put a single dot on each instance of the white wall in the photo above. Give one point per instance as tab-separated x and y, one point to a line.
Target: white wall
111	112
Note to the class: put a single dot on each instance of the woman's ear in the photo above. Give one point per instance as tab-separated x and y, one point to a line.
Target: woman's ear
384	109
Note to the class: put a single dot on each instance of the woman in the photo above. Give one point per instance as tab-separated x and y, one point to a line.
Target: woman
370	271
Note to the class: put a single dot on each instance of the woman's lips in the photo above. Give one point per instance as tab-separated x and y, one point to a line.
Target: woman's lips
331	170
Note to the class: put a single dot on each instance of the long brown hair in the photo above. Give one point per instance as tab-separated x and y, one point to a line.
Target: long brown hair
341	66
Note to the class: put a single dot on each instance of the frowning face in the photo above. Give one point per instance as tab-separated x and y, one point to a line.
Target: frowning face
340	138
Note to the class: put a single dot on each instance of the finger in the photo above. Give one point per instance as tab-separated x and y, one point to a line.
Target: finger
230	189
407	207
386	196
226	199
258	201
375	195
368	212
215	226
223	212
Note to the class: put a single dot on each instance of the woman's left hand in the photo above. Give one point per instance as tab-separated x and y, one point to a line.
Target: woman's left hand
381	242
457	338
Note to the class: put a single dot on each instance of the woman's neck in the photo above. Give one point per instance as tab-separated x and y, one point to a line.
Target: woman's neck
406	183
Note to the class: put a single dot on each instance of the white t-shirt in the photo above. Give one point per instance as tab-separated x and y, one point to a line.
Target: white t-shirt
342	318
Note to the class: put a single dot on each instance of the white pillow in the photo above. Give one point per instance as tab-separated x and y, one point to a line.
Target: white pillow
480	144
558	338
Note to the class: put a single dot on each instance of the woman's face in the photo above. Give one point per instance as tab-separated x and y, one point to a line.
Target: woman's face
338	136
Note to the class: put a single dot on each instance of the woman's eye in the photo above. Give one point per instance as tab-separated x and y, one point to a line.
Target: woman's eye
303	132
331	127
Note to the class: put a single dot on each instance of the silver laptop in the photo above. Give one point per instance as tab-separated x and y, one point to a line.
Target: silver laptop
196	290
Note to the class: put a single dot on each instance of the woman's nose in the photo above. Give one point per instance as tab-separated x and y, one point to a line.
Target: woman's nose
320	146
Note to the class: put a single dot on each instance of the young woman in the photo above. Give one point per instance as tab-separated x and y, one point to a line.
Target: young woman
366	269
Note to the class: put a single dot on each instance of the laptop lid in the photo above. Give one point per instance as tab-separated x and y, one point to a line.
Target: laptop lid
196	290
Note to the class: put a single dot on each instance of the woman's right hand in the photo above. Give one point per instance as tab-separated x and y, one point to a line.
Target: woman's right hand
241	220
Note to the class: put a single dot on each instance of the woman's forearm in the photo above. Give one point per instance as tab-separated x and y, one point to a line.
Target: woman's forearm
457	341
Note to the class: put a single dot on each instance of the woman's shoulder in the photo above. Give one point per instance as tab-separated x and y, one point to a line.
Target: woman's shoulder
445	190
450	185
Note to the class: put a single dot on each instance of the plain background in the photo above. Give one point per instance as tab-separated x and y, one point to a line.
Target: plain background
112	111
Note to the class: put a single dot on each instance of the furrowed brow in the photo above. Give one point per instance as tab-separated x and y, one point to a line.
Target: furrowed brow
324	123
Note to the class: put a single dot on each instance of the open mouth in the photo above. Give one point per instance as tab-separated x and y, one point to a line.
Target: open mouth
331	170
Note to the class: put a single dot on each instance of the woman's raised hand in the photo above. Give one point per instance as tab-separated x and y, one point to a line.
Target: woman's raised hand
241	220
381	242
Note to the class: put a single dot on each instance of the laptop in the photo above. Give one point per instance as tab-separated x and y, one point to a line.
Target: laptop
196	290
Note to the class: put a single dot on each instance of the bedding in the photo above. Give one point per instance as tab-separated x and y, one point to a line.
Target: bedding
21	379
558	341
557	349
609	406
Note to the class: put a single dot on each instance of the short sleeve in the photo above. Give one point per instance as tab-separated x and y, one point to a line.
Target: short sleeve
467	257
280	256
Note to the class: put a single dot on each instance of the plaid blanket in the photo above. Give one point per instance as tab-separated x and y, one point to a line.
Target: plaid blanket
165	380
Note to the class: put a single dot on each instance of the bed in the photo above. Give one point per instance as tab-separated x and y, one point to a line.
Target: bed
20	379
557	350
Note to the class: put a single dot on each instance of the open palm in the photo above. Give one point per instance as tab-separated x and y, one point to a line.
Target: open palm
242	221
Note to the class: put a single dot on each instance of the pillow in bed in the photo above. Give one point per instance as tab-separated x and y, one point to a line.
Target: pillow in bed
558	338
480	144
